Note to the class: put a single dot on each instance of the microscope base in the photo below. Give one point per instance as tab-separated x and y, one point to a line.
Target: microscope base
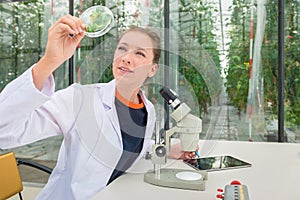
170	178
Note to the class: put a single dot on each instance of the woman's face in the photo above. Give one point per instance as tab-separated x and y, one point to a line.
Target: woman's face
133	60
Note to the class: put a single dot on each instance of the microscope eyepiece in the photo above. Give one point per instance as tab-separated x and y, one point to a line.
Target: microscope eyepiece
170	97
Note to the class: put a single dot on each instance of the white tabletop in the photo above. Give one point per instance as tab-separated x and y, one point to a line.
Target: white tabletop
274	175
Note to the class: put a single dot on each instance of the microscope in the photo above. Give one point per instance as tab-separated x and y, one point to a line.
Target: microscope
188	127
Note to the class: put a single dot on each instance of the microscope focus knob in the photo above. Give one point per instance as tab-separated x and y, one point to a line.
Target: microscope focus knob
160	151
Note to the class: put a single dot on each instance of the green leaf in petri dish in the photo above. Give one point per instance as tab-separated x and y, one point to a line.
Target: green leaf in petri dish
99	19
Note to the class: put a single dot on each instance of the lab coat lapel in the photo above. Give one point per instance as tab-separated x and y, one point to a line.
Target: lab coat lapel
108	96
148	135
151	116
150	121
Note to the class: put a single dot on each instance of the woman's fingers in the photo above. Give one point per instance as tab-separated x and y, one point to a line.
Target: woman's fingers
177	152
69	24
76	24
189	155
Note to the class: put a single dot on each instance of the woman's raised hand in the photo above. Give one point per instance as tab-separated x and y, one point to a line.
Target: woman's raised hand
63	38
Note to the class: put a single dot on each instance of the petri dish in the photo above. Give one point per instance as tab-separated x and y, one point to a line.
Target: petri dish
98	20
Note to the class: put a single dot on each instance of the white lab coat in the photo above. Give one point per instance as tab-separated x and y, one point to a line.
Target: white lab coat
82	170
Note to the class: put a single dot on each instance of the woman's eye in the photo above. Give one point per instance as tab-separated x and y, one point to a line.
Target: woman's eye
121	48
140	53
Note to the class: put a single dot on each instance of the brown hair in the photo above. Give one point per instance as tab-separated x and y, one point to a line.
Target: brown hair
151	34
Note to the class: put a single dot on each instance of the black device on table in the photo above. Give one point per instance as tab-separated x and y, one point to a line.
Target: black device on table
215	163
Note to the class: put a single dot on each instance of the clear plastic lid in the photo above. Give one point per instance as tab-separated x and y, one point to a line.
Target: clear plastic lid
98	20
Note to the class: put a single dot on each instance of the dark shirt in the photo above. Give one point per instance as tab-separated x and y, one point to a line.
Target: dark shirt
133	121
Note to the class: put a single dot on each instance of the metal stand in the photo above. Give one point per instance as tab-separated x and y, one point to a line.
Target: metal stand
189	127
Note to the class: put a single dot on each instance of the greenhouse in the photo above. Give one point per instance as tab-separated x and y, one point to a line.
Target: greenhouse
227	74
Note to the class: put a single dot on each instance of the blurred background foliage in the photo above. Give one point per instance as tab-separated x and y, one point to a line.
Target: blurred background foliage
24	28
238	56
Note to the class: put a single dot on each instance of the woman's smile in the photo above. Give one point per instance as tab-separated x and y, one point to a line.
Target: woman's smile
125	70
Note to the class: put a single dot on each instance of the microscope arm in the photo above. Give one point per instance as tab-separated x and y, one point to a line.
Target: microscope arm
188	128
168	135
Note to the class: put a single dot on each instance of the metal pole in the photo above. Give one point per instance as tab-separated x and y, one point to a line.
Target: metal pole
221	19
280	71
71	60
166	56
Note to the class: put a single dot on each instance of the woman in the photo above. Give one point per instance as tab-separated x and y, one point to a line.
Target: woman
106	127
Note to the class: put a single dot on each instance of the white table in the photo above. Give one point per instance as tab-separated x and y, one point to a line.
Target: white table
274	175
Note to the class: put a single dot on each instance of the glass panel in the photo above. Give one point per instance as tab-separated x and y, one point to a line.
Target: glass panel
223	61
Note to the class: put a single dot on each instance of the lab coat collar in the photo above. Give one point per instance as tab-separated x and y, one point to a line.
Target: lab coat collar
108	94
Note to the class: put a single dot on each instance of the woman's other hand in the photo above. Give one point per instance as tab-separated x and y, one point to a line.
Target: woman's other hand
176	152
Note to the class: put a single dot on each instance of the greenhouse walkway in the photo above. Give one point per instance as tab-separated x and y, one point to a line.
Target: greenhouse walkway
227	123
